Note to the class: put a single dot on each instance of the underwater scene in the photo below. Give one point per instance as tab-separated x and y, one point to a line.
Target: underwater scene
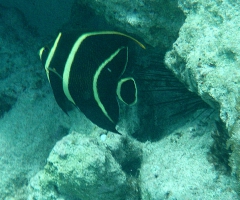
119	100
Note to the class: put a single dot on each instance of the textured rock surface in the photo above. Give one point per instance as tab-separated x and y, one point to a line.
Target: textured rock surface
206	57
157	22
82	167
177	168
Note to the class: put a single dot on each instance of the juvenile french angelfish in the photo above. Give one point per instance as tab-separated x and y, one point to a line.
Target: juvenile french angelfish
87	70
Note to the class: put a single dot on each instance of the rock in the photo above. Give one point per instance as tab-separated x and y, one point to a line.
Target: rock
157	22
205	57
81	167
177	167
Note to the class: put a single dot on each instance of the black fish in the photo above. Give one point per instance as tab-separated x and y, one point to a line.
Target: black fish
87	69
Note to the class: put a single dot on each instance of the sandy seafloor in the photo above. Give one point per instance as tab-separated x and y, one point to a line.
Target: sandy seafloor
31	123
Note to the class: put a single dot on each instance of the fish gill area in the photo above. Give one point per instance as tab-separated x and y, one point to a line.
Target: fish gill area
180	141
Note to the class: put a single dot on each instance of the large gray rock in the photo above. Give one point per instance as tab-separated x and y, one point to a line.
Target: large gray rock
83	167
206	58
157	22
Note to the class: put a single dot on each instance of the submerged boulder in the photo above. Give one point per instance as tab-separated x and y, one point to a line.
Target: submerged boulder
83	167
206	58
